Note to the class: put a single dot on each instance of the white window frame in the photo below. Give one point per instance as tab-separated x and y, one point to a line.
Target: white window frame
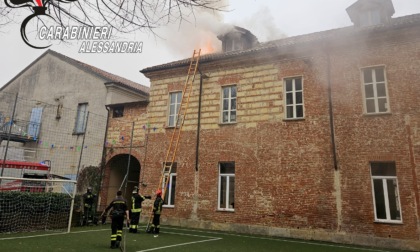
175	99
384	179
375	84
80	124
233	43
294	93
229	206
171	176
229	100
370	17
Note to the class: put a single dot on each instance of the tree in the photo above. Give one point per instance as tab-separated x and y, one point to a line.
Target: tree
123	16
89	176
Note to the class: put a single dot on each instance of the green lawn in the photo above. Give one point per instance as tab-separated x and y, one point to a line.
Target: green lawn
97	238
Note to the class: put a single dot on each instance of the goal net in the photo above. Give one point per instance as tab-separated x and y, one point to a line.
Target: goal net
30	204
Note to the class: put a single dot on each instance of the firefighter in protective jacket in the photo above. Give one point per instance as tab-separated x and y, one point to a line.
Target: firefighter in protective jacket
136	200
88	201
119	210
157	209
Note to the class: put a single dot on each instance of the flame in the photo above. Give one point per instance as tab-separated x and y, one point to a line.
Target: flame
39	2
208	48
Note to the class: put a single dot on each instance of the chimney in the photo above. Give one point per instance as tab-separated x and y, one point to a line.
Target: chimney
370	12
236	39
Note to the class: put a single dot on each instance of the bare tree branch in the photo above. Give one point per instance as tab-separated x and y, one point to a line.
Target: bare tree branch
123	16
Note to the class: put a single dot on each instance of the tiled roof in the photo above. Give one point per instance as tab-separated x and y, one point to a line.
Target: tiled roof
296	40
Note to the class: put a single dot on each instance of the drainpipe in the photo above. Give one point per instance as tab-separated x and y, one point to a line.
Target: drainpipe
337	176
103	154
202	76
330	108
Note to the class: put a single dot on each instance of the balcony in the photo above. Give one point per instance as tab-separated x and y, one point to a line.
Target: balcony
20	130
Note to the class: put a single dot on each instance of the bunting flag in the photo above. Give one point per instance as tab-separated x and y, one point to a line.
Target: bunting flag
52	146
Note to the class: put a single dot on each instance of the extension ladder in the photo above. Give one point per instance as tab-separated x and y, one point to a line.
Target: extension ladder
176	133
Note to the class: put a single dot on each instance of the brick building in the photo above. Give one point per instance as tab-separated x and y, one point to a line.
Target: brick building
313	136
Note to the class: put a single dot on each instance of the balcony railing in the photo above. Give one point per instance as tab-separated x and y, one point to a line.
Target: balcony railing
20	130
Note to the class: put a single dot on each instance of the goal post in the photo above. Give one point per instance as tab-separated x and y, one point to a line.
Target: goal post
31	204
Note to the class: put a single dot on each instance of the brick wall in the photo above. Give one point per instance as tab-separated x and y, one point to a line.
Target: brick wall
118	143
285	177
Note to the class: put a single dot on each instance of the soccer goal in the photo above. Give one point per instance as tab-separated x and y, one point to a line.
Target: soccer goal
32	204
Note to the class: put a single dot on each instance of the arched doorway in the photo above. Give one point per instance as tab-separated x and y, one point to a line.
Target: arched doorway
118	170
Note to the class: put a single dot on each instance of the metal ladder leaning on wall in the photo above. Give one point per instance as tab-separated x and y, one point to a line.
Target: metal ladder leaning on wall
176	133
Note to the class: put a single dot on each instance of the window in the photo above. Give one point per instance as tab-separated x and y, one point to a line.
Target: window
118	112
226	186
370	17
375	90
229	104
233	43
170	193
174	105
81	118
385	192
294	98
35	122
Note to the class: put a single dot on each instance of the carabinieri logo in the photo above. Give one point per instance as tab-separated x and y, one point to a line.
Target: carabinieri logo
39	7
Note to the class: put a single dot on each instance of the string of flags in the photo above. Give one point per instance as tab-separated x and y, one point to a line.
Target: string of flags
54	146
121	138
63	147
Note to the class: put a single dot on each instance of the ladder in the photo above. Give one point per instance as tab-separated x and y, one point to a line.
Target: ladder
176	133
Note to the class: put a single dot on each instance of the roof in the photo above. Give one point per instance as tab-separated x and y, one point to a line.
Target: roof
23	165
108	77
295	40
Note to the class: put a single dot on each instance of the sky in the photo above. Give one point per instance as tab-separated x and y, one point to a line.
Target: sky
267	19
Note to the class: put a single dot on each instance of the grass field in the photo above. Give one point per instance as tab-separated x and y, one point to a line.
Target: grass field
97	238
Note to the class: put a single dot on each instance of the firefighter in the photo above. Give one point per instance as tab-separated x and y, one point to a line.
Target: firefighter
88	201
119	210
136	200
157	209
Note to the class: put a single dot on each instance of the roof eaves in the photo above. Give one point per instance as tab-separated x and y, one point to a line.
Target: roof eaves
128	87
145	102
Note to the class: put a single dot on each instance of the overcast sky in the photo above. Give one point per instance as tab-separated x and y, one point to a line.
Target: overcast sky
267	19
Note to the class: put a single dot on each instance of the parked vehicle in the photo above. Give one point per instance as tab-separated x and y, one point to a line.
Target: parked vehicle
22	169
